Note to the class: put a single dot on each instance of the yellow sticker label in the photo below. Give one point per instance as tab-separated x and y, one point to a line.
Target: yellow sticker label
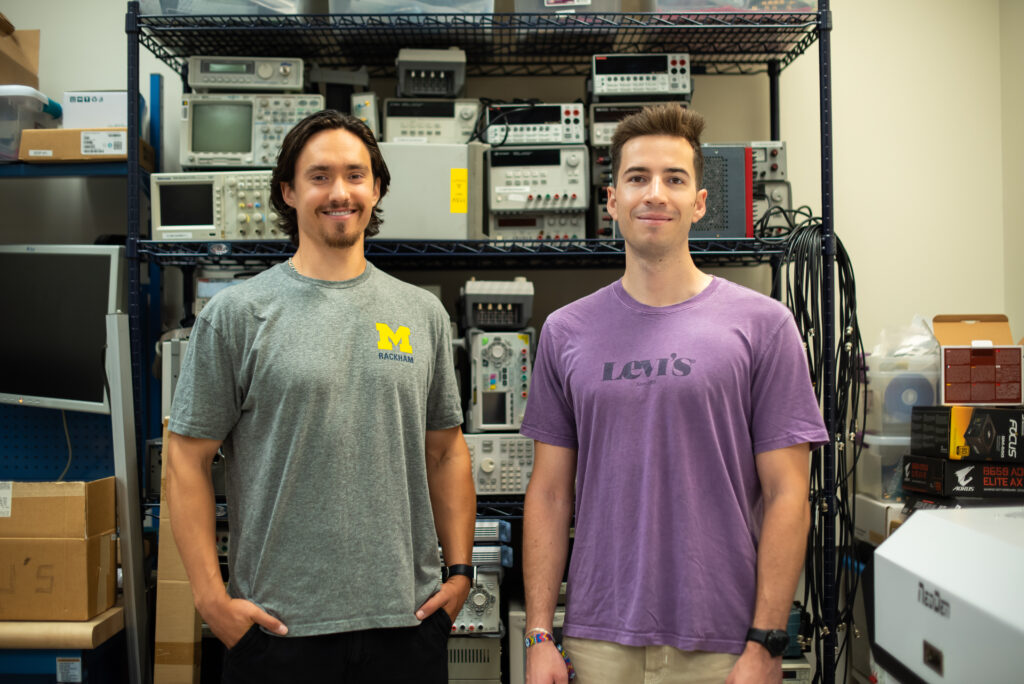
459	191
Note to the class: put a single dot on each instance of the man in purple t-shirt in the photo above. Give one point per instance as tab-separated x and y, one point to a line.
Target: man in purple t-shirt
676	410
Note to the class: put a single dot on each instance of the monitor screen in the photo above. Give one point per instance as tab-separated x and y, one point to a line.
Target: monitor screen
54	308
222	127
186	204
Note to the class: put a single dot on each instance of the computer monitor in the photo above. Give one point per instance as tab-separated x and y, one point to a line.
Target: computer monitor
53	312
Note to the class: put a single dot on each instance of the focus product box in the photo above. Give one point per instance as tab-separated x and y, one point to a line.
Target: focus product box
81	145
57	549
967	432
895	385
23	108
942	477
980	364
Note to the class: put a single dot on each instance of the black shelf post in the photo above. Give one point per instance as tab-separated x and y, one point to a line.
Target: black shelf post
133	181
774	111
828	516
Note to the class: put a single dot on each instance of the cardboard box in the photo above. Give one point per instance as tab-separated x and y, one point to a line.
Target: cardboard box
979	362
972	433
876	520
81	145
56	579
19	58
68	510
102	109
942	477
169	563
176	653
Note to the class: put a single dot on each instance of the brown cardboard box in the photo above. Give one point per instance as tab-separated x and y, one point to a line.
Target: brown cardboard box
980	364
19	58
59	145
59	510
170	566
176	653
57	549
56	579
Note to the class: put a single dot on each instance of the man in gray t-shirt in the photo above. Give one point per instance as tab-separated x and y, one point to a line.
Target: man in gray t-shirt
329	387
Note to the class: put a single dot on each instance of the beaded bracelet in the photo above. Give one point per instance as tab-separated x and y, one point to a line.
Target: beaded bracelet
542	635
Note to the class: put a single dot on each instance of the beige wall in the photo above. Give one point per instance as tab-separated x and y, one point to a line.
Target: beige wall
928	154
1011	32
918	163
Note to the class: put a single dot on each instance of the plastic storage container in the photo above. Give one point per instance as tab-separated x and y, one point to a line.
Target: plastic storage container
227	7
583	6
879	470
735	5
22	107
895	385
411	7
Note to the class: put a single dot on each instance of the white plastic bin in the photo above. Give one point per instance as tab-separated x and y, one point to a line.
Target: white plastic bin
411	7
879	470
22	107
735	5
595	6
895	385
228	7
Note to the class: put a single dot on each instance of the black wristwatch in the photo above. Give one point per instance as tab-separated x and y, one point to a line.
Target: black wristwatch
458	569
774	640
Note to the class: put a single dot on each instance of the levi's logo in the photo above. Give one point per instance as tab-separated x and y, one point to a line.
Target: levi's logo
632	370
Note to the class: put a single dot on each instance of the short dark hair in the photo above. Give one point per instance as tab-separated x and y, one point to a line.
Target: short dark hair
291	148
664	119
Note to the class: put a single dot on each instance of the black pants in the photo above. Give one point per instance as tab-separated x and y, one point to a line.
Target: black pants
401	655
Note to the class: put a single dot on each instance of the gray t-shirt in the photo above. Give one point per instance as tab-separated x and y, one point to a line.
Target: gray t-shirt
322	392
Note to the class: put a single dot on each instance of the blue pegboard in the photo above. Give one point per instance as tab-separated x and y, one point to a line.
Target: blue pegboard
33	446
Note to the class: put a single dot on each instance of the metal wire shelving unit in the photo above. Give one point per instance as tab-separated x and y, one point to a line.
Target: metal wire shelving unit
495	44
733	43
461	254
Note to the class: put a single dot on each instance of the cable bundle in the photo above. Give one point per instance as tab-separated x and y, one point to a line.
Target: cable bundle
799	280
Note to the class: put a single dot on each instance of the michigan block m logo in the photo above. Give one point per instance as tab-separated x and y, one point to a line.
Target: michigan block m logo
389	338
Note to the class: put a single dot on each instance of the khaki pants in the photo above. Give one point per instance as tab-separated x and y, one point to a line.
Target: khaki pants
604	662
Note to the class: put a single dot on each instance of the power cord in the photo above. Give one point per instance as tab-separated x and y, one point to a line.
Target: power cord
799	280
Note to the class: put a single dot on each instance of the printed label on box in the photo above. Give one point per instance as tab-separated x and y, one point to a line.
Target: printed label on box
40	153
459	200
5	499
69	669
103	143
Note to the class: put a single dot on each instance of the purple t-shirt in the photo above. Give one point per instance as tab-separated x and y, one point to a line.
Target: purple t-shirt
667	407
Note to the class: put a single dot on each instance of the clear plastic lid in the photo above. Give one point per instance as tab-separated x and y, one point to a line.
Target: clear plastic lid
10	93
886	440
